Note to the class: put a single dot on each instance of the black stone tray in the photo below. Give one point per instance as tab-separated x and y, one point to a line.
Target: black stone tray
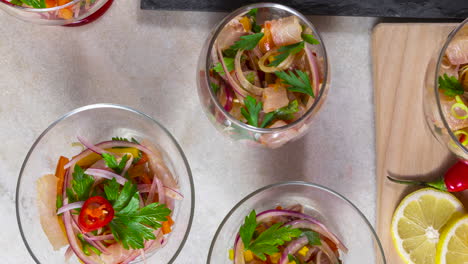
434	9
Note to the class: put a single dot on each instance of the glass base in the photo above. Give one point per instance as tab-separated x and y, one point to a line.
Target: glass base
92	17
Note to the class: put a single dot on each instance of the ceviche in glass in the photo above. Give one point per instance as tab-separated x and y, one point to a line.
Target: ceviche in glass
263	74
57	12
445	93
113	201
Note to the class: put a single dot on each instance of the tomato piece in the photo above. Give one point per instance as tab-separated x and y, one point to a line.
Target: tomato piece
95	213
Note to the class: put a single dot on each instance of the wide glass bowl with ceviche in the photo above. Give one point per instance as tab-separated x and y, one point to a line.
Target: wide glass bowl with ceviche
446	92
104	184
263	74
295	223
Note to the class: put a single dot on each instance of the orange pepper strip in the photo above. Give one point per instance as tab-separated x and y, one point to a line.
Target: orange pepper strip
266	43
51	3
166	226
65	13
60	173
144	159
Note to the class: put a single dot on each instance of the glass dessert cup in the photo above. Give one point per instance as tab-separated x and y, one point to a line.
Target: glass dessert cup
74	13
232	127
434	111
336	212
98	123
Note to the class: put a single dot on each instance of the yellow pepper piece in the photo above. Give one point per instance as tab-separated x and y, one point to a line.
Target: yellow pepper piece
303	251
275	257
245	21
248	256
231	254
93	157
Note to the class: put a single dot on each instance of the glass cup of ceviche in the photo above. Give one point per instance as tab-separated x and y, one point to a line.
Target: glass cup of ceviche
57	12
445	92
277	74
295	223
105	184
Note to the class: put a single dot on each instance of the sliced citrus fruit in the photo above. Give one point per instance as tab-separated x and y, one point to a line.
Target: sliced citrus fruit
418	220
453	244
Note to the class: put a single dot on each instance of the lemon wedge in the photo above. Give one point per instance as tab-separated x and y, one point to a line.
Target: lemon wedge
453	244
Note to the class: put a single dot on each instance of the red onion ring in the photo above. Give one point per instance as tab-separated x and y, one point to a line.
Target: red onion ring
106	174
69	207
90	146
313	69
171	193
229	97
102	237
292	248
127	165
231	80
72	240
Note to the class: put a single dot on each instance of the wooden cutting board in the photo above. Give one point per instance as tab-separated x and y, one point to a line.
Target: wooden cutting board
405	146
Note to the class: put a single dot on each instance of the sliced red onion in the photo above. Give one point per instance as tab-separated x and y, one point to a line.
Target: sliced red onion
231	80
72	239
229	97
313	69
102	237
171	193
292	248
242	80
69	207
127	165
329	252
161	194
90	146
239	252
68	253
106	174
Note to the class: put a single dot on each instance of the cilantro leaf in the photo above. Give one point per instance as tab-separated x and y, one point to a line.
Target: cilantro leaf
111	162
229	65
131	234
247	230
287	112
81	185
268	118
269	240
313	237
112	190
253	15
128	191
131	207
252	110
252	12
71	195
214	87
299	83
247	42
309	38
450	85
285	51
32	3
231	53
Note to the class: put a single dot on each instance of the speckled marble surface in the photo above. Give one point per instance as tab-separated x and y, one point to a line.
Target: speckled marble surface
146	60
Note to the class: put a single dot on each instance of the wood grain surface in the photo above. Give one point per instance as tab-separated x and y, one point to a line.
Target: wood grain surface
405	146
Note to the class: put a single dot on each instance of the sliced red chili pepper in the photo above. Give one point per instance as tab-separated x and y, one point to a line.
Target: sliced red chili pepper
96	212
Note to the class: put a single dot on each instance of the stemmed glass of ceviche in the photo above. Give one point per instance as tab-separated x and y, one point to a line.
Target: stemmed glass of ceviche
295	223
263	74
445	92
105	184
57	12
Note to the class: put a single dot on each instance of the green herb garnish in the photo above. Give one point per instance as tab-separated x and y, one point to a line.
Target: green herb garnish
80	185
32	3
268	241
111	189
309	38
229	65
133	140
251	110
450	85
86	246
58	202
285	51
247	42
313	238
250	77
112	163
283	113
214	87
297	83
253	15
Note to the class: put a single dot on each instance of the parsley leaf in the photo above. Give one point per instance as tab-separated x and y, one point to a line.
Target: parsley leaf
287	112
299	83
252	111
111	162
450	85
112	190
247	230
247	42
269	240
229	53
268	118
80	185
313	237
229	65
214	87
285	51
252	12
32	3
309	38
253	15
128	191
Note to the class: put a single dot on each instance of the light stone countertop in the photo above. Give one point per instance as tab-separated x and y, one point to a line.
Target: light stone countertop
147	60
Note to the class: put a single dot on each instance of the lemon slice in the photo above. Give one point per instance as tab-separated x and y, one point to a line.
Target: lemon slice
417	221
453	245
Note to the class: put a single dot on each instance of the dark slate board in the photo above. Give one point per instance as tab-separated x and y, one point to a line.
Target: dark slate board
375	8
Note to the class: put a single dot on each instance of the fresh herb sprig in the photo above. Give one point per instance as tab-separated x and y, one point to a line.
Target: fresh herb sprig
267	242
450	85
285	51
309	38
252	110
298	81
32	3
133	140
312	237
283	113
112	163
252	14
80	185
229	65
247	42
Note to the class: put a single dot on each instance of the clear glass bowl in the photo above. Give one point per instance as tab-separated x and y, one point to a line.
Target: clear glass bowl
335	211
98	123
229	125
433	112
74	13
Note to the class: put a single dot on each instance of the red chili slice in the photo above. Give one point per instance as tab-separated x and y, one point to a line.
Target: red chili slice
95	213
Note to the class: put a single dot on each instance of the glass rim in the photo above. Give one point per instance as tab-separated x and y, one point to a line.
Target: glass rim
101	106
219	27
300	183
40	10
436	85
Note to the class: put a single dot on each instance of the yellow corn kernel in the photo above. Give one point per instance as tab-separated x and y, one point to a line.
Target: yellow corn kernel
248	256
275	257
231	254
303	251
245	21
